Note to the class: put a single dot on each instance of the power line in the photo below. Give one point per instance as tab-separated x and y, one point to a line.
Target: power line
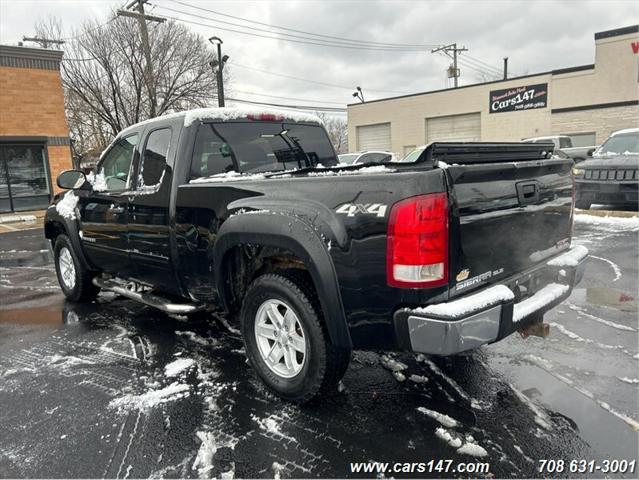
302	31
286	98
296	107
318	42
312	81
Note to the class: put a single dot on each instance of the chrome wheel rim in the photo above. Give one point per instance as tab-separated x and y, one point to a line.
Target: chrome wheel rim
67	268
280	338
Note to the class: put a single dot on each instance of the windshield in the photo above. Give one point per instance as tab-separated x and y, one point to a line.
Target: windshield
622	144
348	158
414	155
247	147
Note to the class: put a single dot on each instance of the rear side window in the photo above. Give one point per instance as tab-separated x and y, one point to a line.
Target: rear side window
154	156
565	142
248	147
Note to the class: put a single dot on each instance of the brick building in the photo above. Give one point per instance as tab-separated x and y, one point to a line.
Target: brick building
34	137
586	102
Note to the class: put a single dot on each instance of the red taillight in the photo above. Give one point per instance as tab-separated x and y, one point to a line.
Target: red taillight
266	117
417	244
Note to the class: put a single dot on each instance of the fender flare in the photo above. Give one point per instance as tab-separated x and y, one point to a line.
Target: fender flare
289	232
71	230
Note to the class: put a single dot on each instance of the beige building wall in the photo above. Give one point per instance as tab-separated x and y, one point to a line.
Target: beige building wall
612	80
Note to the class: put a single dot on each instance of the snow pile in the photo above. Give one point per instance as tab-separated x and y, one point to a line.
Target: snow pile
445	435
457	308
173	369
277	470
472	449
231	176
399	376
418	378
152	398
392	364
445	420
66	206
204	460
613	224
571	258
98	181
539	300
236	113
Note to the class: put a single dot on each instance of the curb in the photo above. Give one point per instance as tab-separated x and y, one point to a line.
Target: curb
607	213
17	218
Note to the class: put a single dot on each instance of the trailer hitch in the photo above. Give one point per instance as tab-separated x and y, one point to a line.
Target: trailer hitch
537	329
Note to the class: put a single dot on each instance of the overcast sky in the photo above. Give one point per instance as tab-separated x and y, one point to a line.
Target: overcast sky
536	36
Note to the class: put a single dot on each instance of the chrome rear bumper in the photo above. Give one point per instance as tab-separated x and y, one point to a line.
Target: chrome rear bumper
490	314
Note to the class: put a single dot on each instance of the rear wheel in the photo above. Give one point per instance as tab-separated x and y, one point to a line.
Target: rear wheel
285	339
75	280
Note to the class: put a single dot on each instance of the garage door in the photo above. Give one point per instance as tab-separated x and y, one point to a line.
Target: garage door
463	128
374	137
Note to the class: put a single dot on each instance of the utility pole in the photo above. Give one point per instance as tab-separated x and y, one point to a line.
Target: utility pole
505	68
144	33
43	42
447	49
221	60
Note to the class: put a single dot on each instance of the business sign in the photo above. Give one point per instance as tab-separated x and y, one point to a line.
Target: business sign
519	98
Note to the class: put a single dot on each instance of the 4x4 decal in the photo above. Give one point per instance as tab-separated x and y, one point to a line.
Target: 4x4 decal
352	209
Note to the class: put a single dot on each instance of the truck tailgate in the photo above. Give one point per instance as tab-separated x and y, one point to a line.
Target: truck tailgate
508	216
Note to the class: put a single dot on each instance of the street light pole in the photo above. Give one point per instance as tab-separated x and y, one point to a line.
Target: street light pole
220	66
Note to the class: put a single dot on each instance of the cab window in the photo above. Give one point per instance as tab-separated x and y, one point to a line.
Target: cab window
154	156
116	164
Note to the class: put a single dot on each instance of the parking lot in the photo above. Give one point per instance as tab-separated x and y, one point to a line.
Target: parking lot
117	389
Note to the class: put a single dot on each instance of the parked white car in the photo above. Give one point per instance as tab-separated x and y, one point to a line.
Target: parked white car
370	156
564	143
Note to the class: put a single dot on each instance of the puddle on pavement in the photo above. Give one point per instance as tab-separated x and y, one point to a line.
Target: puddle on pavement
53	314
607	297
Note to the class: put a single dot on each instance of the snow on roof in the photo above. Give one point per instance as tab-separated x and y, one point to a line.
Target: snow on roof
625	130
229	113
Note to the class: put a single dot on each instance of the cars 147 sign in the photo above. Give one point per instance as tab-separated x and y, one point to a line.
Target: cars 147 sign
519	98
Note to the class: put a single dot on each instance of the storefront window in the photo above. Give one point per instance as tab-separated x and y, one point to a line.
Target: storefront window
24	183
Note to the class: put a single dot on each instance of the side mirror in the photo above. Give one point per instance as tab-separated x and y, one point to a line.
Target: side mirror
73	180
590	152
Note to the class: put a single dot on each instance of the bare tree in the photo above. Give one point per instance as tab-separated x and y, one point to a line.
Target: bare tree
337	131
103	73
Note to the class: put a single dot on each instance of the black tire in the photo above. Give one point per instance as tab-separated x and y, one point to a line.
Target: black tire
582	204
324	364
82	289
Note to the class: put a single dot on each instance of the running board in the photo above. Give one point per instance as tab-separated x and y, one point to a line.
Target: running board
147	298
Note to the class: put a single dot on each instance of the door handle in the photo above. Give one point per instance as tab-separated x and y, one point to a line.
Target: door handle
527	193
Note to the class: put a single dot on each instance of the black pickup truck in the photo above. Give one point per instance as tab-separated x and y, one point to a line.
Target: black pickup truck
249	213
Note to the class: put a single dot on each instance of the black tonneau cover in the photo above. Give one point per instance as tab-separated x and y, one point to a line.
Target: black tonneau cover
485	152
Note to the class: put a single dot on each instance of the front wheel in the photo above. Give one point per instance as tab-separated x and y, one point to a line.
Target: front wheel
75	280
285	339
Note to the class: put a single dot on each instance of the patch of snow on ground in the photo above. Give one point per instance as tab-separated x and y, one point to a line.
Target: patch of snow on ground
609	223
152	398
392	364
445	420
603	321
195	338
204	460
66	206
277	470
418	378
178	366
612	264
457	308
629	380
472	449
399	376
445	435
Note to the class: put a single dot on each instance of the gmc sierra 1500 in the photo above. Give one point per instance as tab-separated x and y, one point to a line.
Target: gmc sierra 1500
249	212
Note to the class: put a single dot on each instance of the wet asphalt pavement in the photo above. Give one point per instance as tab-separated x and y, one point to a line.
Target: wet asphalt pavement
84	391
